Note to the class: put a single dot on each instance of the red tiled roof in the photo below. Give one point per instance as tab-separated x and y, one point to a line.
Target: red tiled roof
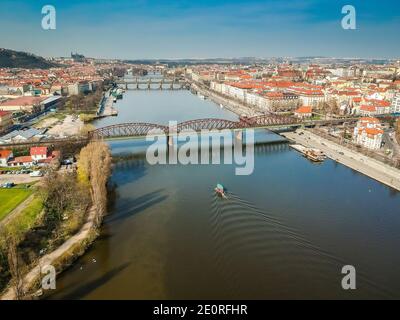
369	120
381	103
4	154
36	151
4	113
23	101
304	109
373	131
23	159
368	108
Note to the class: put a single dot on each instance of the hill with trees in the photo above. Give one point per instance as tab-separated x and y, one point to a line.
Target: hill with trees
24	60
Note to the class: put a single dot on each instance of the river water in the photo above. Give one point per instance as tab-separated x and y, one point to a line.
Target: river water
285	231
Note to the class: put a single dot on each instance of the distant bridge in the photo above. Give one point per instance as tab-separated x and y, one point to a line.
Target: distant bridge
153	84
272	122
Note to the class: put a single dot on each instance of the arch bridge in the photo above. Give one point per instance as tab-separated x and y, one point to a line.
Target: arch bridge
153	84
139	129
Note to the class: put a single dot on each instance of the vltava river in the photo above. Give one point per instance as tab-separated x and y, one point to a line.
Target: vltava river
285	231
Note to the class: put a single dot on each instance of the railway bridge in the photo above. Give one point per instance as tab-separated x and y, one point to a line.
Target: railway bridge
272	122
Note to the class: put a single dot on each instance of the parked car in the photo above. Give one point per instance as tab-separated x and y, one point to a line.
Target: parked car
68	161
36	174
8	185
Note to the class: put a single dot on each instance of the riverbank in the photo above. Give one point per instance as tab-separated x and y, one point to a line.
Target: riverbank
106	106
359	162
234	106
78	227
62	257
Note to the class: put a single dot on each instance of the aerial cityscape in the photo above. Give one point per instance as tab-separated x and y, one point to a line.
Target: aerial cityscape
113	180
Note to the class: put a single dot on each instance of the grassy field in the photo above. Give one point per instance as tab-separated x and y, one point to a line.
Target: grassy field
10	199
28	217
10	168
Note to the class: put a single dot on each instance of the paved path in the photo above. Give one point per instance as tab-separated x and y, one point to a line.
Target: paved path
51	258
357	161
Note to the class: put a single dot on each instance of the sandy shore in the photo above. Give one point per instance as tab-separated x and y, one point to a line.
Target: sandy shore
359	162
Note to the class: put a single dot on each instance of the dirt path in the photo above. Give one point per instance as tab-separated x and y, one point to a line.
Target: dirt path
53	257
14	213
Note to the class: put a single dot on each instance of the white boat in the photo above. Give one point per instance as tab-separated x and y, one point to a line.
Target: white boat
201	96
221	106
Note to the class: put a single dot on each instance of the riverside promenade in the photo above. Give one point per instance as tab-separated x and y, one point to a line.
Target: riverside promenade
106	107
372	168
235	106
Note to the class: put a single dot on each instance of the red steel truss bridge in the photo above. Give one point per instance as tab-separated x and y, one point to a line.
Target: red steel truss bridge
268	121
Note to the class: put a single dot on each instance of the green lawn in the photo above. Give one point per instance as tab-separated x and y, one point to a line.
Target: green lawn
10	168
10	199
28	217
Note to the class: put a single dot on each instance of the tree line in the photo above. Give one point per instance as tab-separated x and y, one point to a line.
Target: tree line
66	200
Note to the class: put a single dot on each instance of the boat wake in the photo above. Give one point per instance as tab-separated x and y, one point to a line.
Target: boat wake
260	256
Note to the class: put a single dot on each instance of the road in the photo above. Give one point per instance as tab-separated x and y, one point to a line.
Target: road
359	162
230	104
18	178
390	143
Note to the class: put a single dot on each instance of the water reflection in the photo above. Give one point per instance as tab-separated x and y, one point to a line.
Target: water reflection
284	232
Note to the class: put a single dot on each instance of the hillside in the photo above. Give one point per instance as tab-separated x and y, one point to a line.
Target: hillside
16	59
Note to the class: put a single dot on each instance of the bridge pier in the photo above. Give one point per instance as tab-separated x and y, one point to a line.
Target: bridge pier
238	135
170	141
172	151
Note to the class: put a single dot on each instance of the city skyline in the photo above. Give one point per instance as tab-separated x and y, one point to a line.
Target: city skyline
185	30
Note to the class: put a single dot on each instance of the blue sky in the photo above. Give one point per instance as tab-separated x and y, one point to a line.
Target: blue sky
135	29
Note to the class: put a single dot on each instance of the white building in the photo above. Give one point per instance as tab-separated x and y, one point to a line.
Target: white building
79	87
38	153
368	133
396	104
309	97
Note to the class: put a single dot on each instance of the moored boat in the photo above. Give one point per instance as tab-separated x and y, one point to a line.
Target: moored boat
313	156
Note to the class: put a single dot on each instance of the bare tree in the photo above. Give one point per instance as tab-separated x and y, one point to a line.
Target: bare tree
15	266
93	170
397	127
